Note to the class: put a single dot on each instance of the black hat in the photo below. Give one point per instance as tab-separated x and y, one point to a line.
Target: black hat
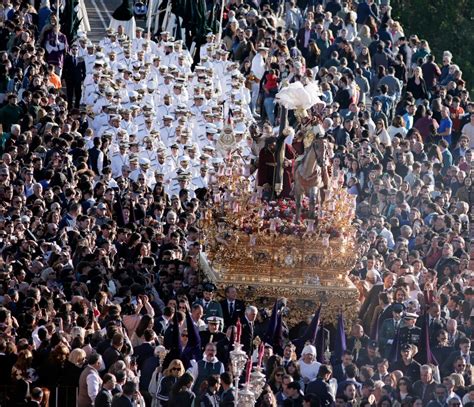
398	308
373	345
405	346
209	287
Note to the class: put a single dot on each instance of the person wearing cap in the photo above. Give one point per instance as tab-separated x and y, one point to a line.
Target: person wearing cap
167	131
202	180
407	365
389	328
149	152
410	333
143	169
213	332
211	307
368	356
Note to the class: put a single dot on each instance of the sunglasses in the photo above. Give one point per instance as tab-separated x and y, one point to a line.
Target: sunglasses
177	369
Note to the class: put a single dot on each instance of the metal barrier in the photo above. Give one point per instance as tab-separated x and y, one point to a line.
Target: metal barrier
61	396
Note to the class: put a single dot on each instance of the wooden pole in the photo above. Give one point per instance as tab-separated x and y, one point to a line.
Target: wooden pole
149	17
221	17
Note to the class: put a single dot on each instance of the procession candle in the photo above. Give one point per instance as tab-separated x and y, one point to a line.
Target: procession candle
260	354
249	370
239	331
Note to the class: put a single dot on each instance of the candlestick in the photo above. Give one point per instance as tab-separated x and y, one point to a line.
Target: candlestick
249	370
260	354
239	331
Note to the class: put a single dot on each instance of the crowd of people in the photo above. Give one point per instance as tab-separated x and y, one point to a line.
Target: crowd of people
109	151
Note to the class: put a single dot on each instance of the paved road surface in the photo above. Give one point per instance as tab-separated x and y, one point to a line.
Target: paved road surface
99	13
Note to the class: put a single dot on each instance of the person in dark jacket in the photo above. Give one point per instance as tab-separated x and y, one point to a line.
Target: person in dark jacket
210	397
74	73
320	386
181	394
170	376
104	397
129	389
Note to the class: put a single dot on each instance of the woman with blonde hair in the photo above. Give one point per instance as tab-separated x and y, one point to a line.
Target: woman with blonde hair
395	30
73	368
364	34
169	378
417	86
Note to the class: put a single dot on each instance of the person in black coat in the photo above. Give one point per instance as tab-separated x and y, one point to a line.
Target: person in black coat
464	352
321	387
74	73
181	394
232	308
435	322
104	397
129	389
407	365
248	327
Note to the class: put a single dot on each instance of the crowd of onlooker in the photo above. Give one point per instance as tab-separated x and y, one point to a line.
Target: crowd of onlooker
109	152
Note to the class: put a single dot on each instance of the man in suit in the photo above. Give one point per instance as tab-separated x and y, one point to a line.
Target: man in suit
36	396
303	37
248	326
210	306
113	352
104	398
232	308
162	322
228	391
146	349
435	322
389	328
367	309
351	373
129	389
425	387
464	352
340	369
454	334
74	73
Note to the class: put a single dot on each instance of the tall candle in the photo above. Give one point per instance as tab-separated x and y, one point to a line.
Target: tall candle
260	354
239	331
249	370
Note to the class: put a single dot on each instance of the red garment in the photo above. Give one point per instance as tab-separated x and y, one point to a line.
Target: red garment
290	154
266	171
456	117
433	258
271	82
